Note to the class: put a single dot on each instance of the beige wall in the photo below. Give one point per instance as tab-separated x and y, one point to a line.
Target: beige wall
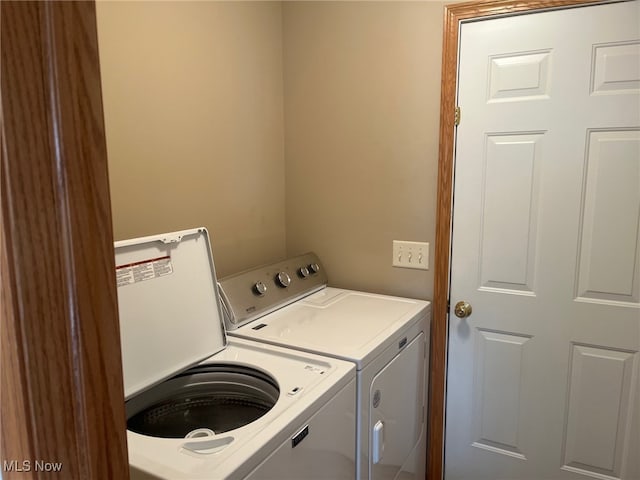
193	107
362	86
194	95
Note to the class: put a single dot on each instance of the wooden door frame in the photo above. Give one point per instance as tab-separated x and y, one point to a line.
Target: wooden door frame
454	15
61	393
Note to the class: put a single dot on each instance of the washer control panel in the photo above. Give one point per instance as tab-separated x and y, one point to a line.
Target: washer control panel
253	293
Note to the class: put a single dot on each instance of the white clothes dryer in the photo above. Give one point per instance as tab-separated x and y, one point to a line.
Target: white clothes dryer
201	407
289	304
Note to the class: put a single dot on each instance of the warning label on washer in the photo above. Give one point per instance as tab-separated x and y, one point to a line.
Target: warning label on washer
144	270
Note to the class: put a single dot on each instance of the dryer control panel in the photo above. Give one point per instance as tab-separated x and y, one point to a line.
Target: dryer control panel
253	293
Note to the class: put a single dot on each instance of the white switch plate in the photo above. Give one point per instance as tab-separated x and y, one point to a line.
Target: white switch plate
411	254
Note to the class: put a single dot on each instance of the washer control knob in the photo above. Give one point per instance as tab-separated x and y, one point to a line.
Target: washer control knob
260	288
283	279
303	272
314	268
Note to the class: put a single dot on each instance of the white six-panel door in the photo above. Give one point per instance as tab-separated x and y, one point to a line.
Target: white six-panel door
543	377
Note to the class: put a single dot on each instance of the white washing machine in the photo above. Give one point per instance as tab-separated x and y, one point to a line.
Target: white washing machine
199	407
289	304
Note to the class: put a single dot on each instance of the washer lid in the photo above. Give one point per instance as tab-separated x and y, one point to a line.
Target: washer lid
170	316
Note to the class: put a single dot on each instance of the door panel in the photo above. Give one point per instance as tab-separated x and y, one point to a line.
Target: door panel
607	241
519	76
508	229
543	376
497	392
599	412
616	68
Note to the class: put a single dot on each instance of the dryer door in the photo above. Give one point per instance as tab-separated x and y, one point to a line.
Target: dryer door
397	420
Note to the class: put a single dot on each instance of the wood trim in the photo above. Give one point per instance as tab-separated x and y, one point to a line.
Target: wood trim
453	16
61	394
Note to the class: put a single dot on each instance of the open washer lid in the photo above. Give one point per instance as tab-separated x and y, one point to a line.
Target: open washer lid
170	316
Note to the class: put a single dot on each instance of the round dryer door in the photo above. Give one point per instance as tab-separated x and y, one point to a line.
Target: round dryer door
203	400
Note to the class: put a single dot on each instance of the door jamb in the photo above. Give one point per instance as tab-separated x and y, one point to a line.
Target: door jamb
61	392
454	15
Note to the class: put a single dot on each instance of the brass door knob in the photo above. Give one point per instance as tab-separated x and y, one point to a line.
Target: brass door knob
462	309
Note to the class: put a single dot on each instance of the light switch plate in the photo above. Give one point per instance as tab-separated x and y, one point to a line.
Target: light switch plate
411	254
